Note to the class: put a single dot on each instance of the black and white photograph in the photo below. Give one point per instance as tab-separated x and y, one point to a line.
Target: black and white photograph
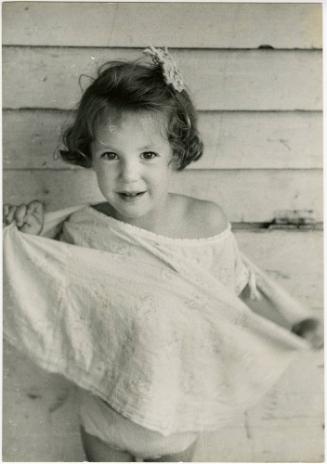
163	232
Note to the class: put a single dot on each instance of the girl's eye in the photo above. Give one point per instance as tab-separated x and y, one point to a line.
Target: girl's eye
148	155
109	155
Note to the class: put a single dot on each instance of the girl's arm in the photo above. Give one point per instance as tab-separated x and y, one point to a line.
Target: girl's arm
274	304
28	218
312	330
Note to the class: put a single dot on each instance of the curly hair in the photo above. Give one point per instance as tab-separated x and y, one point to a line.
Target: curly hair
133	87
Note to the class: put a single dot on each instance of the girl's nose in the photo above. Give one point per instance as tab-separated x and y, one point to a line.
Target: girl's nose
130	171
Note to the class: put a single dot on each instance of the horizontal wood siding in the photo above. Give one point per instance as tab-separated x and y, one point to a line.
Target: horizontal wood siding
218	80
232	140
197	25
260	109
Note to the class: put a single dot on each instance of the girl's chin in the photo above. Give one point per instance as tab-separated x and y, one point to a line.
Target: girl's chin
129	211
127	208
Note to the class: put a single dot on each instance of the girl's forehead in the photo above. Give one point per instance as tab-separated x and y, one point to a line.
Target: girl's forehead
142	124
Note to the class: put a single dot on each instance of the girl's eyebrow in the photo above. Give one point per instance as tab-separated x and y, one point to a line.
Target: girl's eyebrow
105	144
145	147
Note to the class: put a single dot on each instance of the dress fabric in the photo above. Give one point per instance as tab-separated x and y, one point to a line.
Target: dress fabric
100	420
151	325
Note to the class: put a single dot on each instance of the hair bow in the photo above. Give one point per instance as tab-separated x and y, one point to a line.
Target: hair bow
170	72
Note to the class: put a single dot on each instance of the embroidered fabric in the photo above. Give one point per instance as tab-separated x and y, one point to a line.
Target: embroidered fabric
100	420
217	254
151	325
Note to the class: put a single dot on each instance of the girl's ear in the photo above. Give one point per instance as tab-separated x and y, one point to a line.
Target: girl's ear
174	162
83	159
90	159
88	163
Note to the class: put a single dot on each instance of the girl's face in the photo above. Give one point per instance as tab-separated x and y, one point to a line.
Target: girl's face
132	157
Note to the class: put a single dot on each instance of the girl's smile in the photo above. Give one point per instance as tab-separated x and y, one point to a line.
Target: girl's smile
131	159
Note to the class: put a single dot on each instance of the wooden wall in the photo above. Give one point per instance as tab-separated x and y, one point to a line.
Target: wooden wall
254	71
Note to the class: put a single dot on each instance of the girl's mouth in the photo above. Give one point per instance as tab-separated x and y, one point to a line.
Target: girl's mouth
130	196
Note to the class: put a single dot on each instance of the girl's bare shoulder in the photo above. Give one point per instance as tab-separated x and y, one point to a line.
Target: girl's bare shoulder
205	217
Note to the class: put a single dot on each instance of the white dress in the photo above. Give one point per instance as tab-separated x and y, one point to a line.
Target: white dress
151	325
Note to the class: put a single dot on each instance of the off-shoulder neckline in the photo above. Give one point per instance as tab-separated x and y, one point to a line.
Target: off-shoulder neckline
158	237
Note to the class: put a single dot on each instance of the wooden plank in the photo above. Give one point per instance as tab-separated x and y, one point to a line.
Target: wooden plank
246	196
250	196
287	443
219	80
40	420
304	444
173	24
298	395
231	140
282	254
272	444
31	139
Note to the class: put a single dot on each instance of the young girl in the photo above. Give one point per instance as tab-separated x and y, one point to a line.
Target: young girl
167	330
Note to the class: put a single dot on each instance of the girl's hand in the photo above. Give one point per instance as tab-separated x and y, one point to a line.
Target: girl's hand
312	330
28	218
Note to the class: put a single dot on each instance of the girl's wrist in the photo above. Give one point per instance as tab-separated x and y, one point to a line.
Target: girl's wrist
304	326
310	329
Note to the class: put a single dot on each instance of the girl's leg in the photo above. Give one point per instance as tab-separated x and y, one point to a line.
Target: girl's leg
184	456
97	450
